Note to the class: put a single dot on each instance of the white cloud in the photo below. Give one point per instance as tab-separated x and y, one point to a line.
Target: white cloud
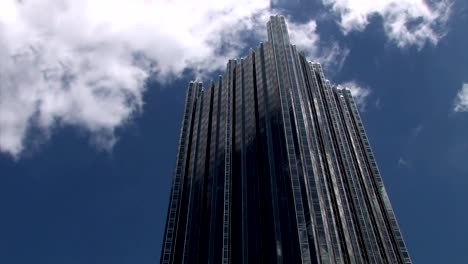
85	63
333	57
378	104
461	101
305	37
416	131
406	22
360	93
402	163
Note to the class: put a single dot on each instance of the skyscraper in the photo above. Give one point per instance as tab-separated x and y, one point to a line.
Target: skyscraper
274	166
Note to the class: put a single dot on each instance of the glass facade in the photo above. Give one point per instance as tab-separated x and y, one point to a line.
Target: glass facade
274	166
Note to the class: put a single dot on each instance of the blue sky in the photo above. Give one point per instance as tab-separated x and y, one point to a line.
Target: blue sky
91	96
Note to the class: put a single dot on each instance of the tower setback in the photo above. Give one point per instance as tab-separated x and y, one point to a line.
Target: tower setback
274	166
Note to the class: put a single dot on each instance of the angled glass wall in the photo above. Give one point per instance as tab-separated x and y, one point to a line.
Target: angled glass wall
274	166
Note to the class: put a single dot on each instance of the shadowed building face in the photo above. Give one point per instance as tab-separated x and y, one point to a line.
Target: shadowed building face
274	166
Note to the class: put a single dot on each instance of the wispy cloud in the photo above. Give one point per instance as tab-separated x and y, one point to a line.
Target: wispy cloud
360	93
306	38
406	22
333	57
378	104
461	101
402	163
416	131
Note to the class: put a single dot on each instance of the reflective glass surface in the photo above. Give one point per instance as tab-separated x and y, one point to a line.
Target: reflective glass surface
274	166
